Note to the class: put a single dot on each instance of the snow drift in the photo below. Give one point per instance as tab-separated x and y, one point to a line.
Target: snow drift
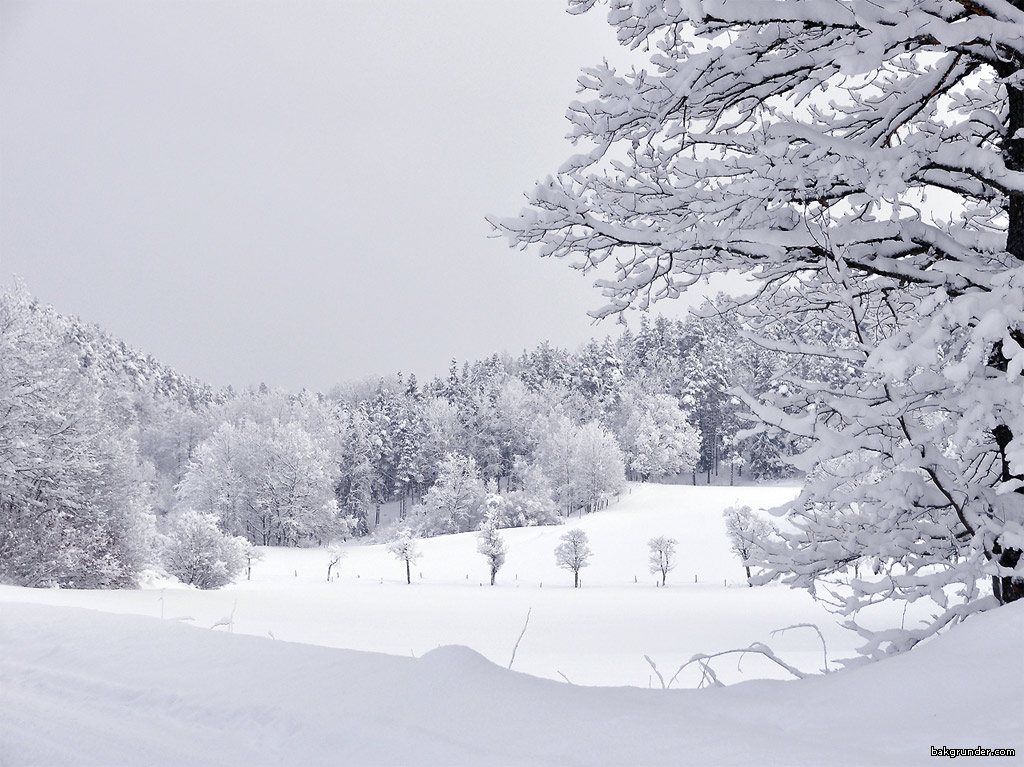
88	688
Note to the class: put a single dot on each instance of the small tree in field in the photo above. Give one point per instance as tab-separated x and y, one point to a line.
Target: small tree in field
663	555
251	554
334	555
747	533
403	546
490	544
573	553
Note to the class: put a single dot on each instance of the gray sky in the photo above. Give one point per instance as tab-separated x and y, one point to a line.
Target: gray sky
291	192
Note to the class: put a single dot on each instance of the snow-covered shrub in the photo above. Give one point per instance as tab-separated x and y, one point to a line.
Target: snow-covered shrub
521	508
196	552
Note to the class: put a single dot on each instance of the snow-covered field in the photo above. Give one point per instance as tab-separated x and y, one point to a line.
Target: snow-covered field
79	687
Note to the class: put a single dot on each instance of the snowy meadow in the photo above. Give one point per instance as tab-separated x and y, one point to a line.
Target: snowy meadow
787	529
417	674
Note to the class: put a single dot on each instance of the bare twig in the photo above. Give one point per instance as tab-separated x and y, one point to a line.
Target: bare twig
708	676
756	647
824	647
520	639
564	677
660	677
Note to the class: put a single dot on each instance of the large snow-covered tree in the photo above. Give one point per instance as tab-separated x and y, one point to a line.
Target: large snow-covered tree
656	438
862	163
455	503
583	463
73	501
271	484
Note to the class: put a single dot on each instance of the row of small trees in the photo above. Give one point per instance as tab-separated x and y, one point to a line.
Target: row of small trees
748	533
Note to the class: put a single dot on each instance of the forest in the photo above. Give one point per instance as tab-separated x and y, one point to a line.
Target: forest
109	459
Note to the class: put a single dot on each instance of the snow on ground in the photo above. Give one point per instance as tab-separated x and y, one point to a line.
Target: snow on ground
83	688
596	635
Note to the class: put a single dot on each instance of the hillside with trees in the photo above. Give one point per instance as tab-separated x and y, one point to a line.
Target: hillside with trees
104	448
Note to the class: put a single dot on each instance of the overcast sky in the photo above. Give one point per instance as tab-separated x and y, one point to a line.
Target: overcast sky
291	192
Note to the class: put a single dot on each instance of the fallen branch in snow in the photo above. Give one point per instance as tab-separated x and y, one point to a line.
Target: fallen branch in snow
709	676
228	622
564	677
520	639
756	647
824	647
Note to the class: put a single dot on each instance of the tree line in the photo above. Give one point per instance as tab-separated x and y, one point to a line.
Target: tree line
103	449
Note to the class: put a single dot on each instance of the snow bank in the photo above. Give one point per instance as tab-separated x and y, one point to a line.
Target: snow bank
87	688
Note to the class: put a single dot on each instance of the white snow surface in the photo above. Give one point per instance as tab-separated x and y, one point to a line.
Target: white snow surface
87	687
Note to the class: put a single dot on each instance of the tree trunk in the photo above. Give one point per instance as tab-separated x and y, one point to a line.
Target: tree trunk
493	573
408	573
1008	588
576	582
747	568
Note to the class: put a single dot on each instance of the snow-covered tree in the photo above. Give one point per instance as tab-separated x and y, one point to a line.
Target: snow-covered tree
662	557
271	484
73	505
334	555
402	545
491	545
455	503
196	552
573	553
600	470
556	455
656	437
583	463
356	473
748	533
531	503
444	434
862	163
